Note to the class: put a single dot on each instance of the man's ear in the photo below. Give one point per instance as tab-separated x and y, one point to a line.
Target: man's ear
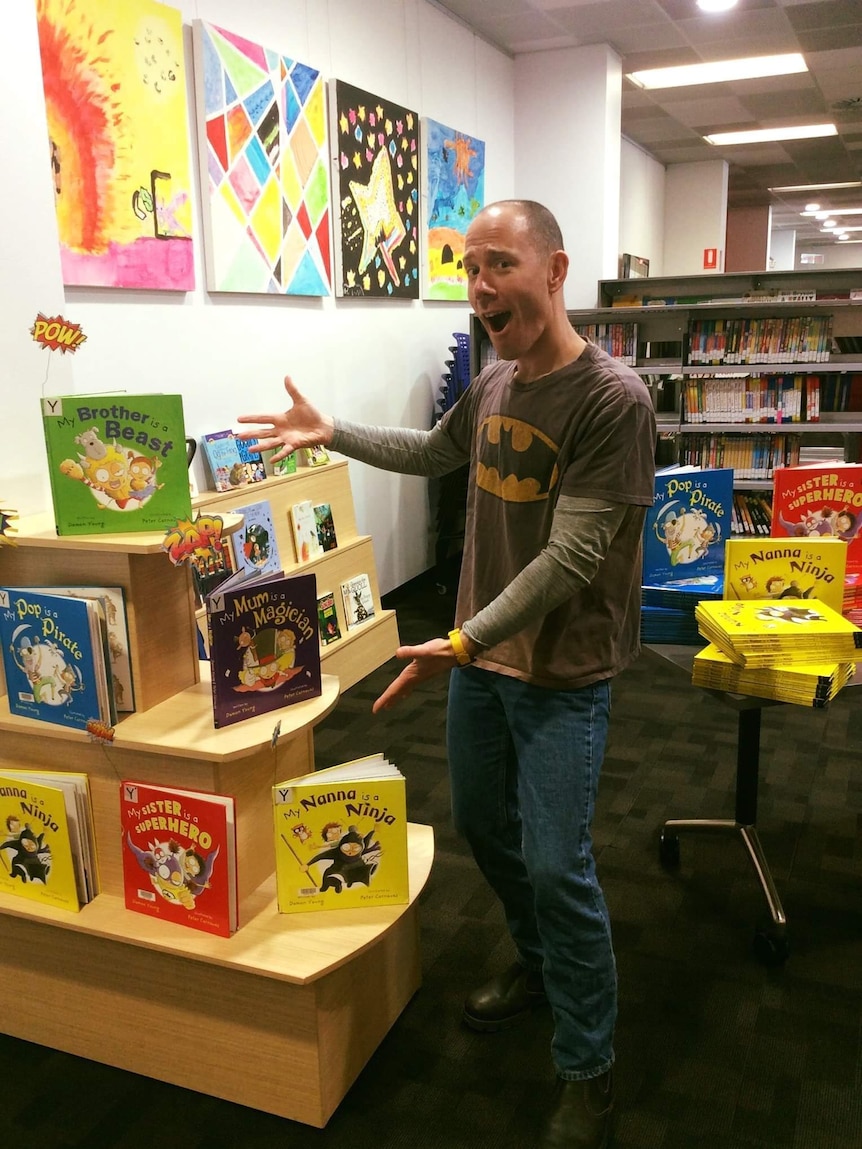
558	269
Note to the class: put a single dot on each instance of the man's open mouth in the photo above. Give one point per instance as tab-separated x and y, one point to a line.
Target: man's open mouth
498	320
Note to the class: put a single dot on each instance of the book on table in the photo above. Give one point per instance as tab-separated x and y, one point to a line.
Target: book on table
263	645
786	568
56	658
805	684
765	632
341	837
822	500
117	463
179	856
686	528
48	851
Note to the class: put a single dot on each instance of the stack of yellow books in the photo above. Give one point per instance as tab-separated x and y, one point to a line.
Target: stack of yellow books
805	684
761	633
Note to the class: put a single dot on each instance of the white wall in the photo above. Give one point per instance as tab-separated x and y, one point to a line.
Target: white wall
642	191
835	255
695	216
781	255
368	361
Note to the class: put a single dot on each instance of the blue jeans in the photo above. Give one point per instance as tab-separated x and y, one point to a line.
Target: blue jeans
524	764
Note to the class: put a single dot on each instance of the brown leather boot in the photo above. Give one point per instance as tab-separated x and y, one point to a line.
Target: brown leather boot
581	1114
504	1000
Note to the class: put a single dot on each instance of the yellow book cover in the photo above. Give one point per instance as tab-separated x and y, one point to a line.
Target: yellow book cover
765	632
782	569
341	837
36	857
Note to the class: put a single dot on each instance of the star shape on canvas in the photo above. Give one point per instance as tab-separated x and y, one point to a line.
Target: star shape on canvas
383	228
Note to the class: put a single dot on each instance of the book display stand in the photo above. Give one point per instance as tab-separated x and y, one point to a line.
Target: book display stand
312	995
358	651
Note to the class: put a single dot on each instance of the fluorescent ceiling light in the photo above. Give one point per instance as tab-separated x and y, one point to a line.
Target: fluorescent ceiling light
717	71
716	5
811	207
769	135
821	215
815	187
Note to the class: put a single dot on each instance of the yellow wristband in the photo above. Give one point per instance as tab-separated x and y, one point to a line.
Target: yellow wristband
461	654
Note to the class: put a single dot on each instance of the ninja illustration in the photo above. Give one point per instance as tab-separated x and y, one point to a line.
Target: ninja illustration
352	860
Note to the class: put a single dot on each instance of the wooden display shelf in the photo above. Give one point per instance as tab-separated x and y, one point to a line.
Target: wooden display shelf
281	1017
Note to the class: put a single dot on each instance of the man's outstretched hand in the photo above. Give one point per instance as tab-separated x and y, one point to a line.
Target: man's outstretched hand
426	661
301	425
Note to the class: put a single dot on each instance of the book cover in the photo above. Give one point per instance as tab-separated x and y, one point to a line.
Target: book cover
327	618
255	469
212	565
325	527
285	466
316	456
765	632
305	537
113	601
264	646
36	850
53	656
341	838
117	463
358	600
782	569
179	856
687	525
255	544
227	470
823	500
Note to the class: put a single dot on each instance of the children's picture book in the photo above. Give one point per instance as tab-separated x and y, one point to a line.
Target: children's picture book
285	466
327	618
255	545
255	468
316	456
179	856
113	602
305	537
47	850
358	600
768	632
821	500
212	565
55	658
226	467
805	684
687	525
325	527
263	645
341	837
788	568
117	463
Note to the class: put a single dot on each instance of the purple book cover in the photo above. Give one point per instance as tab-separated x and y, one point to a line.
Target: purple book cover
264	646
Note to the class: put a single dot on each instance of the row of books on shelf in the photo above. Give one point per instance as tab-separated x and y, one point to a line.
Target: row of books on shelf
66	656
765	295
751	513
233	462
767	398
752	456
774	339
340	843
619	340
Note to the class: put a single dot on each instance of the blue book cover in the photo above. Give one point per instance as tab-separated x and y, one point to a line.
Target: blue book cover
255	545
252	459
223	458
688	524
53	656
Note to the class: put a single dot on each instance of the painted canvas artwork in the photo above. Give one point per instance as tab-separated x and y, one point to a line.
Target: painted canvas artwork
264	167
454	167
115	96
376	148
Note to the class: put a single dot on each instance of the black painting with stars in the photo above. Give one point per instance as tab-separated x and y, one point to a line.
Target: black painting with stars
376	146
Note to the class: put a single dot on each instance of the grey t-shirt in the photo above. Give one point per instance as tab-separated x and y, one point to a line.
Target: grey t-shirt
585	431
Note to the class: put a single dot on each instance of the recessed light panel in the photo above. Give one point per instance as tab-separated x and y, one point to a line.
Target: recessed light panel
771	135
720	71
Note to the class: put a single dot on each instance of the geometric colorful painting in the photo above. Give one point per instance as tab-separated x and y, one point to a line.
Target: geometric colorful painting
375	145
455	193
264	167
115	97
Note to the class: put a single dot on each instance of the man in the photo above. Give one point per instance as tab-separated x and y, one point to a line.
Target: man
560	440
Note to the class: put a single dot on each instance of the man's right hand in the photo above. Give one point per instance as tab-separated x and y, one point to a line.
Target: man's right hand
301	425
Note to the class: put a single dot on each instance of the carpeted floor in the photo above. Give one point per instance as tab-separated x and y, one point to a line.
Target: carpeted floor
714	1050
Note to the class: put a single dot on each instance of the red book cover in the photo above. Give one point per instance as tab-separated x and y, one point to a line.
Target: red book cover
179	856
822	500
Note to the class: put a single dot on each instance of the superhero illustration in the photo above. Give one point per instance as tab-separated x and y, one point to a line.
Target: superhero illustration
177	874
25	854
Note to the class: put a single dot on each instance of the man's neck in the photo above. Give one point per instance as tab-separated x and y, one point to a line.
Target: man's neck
563	347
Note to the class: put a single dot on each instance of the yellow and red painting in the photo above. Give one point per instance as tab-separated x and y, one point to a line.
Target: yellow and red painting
115	96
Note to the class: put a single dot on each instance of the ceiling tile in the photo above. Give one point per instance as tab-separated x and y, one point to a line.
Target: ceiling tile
829	13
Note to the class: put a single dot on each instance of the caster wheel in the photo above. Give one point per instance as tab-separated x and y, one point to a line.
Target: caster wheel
668	849
770	948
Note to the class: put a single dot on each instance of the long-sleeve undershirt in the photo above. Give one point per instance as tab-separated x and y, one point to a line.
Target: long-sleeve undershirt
581	530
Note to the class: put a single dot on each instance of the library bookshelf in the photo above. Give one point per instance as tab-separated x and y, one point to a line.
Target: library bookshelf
310	995
365	647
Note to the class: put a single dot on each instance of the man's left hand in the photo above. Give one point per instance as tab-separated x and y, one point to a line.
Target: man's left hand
426	661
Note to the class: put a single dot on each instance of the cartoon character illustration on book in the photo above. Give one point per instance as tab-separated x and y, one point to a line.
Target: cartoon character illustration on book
777	587
176	874
686	533
119	478
24	853
52	679
350	859
256	545
268	658
826	521
360	612
799	614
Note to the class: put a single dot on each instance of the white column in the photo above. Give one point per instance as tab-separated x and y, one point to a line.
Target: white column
567	154
782	250
695	219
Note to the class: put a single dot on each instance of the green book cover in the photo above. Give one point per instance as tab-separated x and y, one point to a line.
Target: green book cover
117	462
